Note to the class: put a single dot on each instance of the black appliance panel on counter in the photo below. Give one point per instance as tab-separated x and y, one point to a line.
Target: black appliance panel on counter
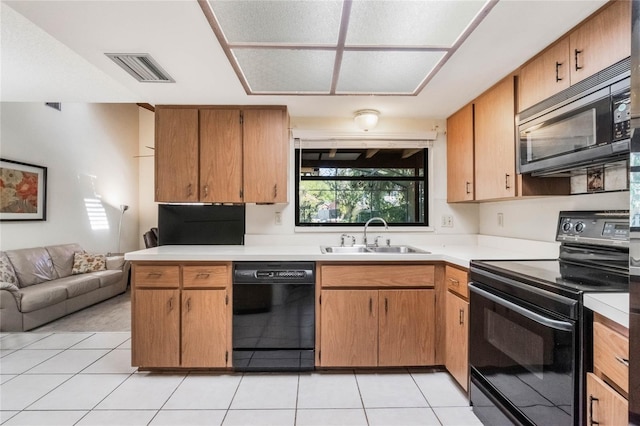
185	224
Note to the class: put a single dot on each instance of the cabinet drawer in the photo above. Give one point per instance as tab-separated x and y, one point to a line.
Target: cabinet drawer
457	282
611	355
205	276
605	406
156	276
377	275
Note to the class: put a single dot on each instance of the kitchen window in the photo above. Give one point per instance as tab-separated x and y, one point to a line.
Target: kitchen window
346	187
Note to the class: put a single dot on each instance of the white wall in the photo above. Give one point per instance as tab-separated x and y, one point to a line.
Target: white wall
89	151
148	212
537	218
261	225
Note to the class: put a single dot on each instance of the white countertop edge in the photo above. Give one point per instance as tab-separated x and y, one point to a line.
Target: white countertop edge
614	306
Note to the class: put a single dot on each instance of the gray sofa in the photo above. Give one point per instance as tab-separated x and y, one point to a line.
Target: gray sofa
42	287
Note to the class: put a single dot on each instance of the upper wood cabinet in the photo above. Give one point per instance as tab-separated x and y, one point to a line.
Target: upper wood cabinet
176	154
495	154
222	154
460	164
266	159
600	41
546	75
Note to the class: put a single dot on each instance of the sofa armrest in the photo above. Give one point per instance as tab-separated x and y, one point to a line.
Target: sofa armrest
115	262
15	292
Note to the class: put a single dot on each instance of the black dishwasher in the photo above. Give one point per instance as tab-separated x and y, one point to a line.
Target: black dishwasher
273	316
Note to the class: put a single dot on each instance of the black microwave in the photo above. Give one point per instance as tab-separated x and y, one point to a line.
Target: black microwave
590	128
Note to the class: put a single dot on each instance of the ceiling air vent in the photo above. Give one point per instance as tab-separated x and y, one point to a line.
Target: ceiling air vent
142	67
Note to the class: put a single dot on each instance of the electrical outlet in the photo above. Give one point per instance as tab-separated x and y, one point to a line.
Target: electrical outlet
500	220
447	221
278	218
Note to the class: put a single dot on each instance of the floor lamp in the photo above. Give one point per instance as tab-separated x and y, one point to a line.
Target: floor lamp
123	208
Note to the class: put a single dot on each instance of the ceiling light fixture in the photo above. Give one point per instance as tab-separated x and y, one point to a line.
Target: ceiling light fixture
366	119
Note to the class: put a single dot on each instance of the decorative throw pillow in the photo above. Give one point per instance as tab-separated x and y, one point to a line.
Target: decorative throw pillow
84	262
7	273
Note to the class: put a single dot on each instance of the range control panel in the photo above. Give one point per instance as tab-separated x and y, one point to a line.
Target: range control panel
594	227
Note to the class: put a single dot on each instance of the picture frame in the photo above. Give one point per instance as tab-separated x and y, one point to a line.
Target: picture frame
23	191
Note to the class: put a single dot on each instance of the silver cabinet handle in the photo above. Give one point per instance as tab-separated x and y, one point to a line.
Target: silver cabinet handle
189	190
623	361
206	190
506	181
466	187
454	282
203	275
154	274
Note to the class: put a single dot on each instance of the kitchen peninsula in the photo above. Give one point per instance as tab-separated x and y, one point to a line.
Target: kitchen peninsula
182	304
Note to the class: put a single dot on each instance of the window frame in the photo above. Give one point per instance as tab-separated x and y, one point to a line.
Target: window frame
424	179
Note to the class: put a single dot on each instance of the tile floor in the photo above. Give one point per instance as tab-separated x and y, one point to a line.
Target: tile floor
87	379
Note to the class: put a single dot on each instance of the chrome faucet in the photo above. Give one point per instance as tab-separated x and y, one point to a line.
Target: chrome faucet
379	219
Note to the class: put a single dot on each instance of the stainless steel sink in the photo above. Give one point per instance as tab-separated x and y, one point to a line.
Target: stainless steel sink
362	249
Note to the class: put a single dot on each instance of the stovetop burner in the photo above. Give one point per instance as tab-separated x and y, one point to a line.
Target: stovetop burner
593	256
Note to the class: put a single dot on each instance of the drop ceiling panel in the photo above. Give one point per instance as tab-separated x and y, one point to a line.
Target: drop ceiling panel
409	23
286	71
393	72
363	47
279	22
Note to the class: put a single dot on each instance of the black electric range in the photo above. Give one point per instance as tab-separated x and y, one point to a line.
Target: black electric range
529	333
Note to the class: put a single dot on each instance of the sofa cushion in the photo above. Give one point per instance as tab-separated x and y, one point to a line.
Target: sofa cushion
32	266
79	284
86	262
108	277
42	295
62	257
7	273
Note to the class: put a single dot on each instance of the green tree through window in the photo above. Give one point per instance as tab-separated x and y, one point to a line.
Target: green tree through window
350	186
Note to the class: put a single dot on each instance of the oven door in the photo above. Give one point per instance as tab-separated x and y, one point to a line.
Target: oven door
525	358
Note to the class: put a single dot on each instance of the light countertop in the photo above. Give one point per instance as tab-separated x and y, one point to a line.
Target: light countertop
614	306
458	255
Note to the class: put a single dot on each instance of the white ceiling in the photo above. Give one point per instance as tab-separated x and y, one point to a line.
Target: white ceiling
54	51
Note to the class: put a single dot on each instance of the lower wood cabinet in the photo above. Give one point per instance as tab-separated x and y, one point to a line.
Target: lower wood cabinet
204	328
605	406
349	328
457	349
457	325
608	384
155	328
181	315
376	315
369	328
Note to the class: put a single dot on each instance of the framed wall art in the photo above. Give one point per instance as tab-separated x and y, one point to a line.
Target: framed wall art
23	191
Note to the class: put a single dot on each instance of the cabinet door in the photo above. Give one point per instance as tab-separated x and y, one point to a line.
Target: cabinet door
460	183
176	155
265	156
457	337
407	327
204	328
220	156
605	407
495	155
156	328
545	75
601	41
349	328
